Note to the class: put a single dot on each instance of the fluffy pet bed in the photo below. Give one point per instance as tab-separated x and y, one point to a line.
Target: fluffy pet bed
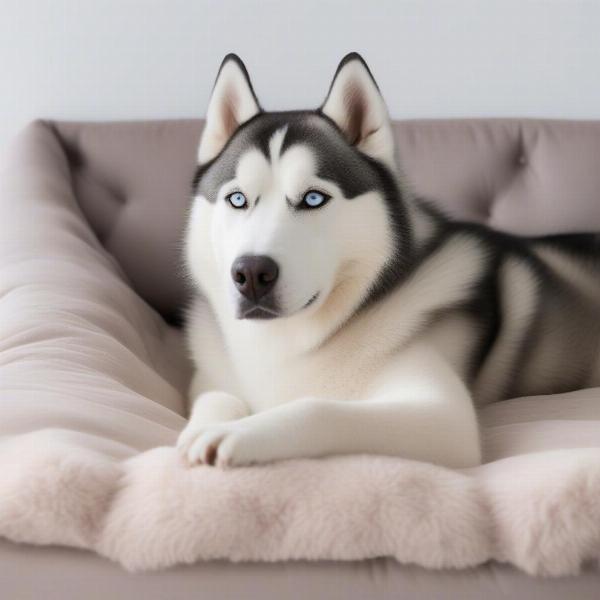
91	400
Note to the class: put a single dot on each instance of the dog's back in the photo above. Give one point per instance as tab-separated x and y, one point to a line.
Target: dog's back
536	302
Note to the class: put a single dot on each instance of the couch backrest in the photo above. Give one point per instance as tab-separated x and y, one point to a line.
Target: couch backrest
529	177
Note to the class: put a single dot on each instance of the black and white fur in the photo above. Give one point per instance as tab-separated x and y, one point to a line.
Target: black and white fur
387	322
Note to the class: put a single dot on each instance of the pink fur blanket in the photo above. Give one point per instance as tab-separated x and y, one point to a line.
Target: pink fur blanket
91	383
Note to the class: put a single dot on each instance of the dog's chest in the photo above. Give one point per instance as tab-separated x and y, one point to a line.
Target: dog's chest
266	372
268	377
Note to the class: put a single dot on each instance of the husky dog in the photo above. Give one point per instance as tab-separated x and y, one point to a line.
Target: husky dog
341	314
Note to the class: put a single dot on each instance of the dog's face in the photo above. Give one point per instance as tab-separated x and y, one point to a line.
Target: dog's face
290	206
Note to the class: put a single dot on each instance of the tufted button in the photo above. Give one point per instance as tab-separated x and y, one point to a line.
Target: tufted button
488	212
484	209
522	160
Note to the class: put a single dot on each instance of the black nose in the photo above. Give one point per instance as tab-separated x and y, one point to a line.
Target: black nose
254	276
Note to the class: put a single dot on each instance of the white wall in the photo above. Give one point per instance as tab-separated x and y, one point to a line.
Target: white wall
121	59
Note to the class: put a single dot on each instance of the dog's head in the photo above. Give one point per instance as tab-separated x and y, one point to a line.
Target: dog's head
292	208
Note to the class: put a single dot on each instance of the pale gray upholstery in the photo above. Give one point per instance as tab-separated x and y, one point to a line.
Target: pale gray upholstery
525	176
132	181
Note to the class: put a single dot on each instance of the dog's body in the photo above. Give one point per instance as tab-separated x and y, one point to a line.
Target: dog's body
340	314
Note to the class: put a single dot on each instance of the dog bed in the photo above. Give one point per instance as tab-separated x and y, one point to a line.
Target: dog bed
93	374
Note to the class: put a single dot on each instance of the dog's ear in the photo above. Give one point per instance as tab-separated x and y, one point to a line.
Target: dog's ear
355	104
232	103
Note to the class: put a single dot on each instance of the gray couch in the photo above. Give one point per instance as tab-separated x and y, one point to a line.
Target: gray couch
132	183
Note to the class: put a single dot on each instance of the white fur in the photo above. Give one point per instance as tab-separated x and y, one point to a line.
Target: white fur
312	383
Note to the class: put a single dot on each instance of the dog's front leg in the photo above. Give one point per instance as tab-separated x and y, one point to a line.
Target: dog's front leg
420	410
209	410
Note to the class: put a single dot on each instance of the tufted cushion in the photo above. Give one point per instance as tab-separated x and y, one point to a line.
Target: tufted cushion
530	177
133	182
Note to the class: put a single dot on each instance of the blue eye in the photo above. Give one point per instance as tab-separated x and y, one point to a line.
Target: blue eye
237	200
314	199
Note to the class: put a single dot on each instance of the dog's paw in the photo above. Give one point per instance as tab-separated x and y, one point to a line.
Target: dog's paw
222	445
